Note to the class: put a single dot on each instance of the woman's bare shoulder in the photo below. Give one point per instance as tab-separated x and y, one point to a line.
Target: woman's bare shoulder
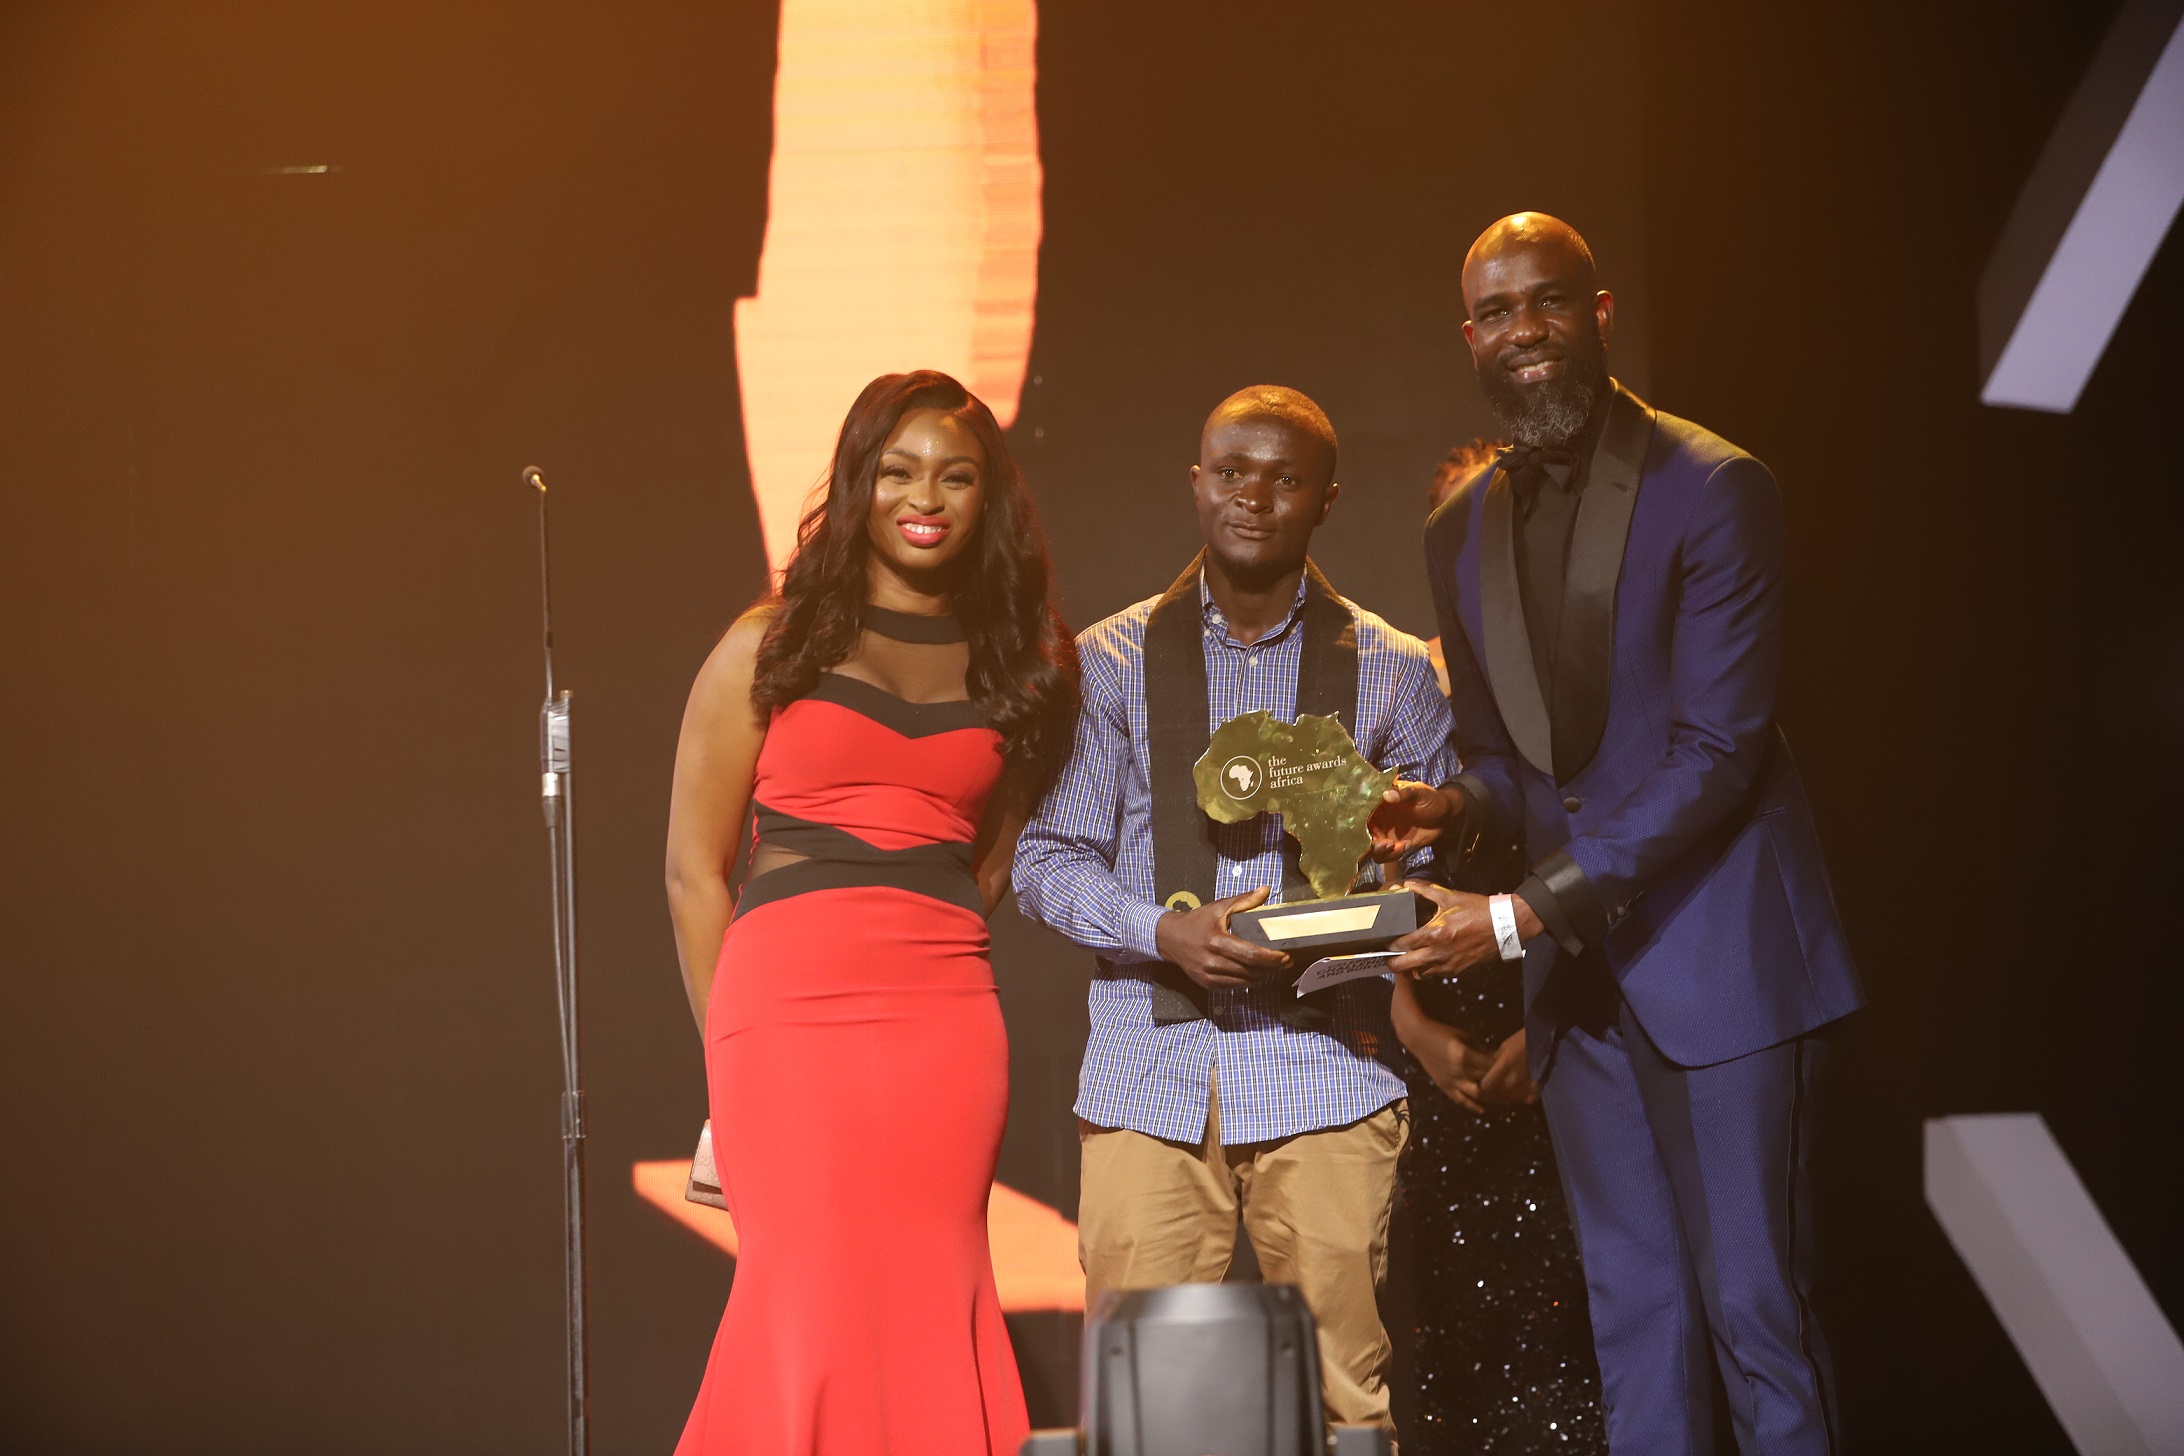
733	662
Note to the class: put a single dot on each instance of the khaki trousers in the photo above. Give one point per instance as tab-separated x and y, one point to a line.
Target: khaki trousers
1315	1206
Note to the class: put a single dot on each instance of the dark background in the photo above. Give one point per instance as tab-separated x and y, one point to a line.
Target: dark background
276	1045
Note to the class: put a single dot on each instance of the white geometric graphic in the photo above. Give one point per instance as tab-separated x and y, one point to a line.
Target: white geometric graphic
2068	1296
2091	219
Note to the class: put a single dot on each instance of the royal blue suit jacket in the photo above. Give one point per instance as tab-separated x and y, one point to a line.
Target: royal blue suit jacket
1675	840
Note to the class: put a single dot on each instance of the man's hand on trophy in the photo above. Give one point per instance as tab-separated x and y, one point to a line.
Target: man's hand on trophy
1410	817
1457	938
1201	943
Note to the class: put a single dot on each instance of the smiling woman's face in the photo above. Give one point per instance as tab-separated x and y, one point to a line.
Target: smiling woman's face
926	500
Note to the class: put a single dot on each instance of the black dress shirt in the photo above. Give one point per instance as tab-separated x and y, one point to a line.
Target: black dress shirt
1548	486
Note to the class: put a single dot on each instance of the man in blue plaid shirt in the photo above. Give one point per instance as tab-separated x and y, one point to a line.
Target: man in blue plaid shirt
1207	1087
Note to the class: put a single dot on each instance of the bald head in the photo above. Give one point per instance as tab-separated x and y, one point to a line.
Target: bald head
1554	241
1539	327
1278	403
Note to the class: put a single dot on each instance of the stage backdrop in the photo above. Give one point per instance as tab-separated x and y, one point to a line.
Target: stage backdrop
291	293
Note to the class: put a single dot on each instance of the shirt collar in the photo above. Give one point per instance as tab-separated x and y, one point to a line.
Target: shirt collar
1218	620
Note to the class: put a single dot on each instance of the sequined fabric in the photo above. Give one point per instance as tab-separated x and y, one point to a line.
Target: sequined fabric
1504	1351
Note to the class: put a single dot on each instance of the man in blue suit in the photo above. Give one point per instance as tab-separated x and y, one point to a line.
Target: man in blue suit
1610	593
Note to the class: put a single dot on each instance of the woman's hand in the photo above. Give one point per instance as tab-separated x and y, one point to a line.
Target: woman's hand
1452	1063
1508	1082
1455	1065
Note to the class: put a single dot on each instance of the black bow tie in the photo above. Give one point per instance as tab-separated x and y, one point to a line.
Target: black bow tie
1531	466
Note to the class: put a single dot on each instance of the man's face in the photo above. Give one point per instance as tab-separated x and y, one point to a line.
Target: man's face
1262	485
1539	333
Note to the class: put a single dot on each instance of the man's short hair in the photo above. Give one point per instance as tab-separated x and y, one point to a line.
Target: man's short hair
1292	407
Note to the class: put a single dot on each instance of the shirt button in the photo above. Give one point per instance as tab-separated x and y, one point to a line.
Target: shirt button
1573	805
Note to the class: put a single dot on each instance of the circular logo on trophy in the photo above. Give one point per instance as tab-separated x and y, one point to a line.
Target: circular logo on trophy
1240	777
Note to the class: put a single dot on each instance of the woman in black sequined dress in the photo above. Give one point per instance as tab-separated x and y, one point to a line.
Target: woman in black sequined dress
1504	1345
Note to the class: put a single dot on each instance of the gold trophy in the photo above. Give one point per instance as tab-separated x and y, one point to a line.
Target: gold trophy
1311	774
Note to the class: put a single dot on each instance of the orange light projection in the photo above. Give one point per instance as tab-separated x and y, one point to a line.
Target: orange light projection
902	225
1034	1248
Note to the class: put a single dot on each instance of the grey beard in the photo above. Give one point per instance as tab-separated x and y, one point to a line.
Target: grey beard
1549	414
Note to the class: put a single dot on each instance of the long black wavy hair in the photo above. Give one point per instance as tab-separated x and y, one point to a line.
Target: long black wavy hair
1023	673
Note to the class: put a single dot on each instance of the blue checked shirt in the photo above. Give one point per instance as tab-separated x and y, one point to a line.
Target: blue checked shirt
1084	866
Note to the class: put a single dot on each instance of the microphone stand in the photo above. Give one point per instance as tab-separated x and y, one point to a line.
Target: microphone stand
556	789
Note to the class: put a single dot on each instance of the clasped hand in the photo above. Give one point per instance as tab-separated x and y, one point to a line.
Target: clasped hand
1469	1075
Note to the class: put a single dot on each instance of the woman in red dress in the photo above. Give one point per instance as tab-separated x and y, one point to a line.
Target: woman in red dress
888	720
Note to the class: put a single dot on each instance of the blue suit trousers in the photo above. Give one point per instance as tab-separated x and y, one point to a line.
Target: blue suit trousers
1688	1189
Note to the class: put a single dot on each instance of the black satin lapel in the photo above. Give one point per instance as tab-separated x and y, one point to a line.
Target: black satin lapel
1184	859
1585	648
1185	863
1508	646
1327	665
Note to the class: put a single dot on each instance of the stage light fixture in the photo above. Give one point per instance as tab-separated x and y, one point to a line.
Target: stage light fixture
1203	1370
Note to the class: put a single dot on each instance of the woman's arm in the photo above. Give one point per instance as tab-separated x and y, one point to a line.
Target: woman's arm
715	760
1453	1063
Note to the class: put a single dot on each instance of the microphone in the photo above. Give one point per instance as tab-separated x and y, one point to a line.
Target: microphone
557	802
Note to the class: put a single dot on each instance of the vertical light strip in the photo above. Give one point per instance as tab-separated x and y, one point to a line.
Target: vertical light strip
2068	1296
2091	219
902	228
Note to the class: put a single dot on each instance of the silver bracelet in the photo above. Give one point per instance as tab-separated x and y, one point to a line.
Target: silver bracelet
1504	913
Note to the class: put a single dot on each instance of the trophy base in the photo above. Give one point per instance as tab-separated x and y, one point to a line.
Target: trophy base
1345	924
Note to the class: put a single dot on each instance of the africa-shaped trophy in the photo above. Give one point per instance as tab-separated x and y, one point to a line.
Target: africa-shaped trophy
1311	773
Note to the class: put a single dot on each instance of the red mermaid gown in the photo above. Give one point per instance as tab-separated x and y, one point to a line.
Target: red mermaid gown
858	1073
